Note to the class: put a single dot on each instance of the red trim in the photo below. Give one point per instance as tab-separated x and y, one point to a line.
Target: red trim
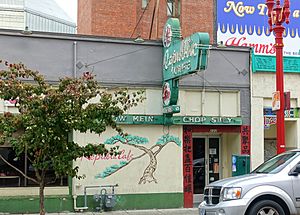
188	167
245	139
215	128
188	188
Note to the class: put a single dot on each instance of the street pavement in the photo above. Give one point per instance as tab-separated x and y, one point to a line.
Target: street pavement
177	211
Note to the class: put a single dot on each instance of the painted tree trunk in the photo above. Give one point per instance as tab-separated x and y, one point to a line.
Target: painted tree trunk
148	175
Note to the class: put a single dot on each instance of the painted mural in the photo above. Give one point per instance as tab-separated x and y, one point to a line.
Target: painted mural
245	23
126	158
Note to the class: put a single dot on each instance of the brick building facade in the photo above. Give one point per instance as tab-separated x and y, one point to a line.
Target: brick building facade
129	19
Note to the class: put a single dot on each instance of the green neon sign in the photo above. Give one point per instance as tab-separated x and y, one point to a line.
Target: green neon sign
186	56
180	57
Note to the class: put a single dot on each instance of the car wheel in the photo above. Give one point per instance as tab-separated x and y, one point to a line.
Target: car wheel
266	207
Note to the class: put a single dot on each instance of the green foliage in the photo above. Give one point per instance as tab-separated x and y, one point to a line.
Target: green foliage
127	138
168	138
48	114
112	169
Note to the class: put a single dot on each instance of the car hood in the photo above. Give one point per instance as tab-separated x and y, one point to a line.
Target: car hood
239	180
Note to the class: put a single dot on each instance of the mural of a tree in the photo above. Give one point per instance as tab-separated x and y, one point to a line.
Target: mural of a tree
139	143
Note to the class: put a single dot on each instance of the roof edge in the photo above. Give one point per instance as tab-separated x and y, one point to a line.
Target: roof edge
77	37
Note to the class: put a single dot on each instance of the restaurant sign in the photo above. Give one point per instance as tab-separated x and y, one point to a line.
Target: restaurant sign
180	57
271	119
186	56
178	120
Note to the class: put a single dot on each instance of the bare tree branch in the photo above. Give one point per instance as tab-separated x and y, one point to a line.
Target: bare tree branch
15	168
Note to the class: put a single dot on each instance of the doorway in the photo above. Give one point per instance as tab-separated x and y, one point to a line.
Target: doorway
206	162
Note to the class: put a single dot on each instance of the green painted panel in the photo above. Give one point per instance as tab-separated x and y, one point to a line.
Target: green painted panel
63	204
262	63
139	201
146	201
31	204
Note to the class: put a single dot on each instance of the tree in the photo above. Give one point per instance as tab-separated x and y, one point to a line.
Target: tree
47	114
139	142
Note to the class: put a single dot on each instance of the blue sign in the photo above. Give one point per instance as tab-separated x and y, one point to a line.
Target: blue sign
245	23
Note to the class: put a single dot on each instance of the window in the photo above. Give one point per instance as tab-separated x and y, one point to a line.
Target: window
9	177
144	4
170	7
275	164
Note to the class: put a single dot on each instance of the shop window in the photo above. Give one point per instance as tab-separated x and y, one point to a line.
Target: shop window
270	148
9	177
144	3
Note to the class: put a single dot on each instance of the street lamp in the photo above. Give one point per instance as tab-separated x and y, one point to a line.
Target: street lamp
277	16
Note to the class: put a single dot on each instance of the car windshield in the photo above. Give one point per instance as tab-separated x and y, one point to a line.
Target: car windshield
275	164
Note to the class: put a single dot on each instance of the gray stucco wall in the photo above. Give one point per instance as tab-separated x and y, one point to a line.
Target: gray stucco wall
228	69
112	61
123	62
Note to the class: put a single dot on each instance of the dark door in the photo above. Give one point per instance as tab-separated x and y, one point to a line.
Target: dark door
213	159
206	162
199	152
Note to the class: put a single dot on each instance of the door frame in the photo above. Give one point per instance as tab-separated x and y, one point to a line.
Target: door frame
187	144
198	197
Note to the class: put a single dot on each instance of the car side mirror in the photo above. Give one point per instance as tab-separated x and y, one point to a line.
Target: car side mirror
296	171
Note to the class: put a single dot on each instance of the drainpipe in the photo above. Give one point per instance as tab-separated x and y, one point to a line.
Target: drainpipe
74	59
75	205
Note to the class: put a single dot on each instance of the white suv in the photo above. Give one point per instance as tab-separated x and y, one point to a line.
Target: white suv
271	189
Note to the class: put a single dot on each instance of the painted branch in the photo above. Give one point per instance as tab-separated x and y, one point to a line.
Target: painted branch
161	147
135	158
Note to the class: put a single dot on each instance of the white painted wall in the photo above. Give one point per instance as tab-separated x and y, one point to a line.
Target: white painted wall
169	171
12	20
33	191
263	85
231	144
193	103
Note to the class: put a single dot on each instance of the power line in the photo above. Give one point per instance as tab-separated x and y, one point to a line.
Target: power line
140	18
205	80
117	56
229	61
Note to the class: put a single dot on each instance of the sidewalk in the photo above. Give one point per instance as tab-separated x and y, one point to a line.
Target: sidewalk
177	211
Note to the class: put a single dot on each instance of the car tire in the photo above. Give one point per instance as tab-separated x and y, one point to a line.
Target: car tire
266	206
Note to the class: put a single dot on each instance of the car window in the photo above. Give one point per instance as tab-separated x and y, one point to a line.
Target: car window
276	164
